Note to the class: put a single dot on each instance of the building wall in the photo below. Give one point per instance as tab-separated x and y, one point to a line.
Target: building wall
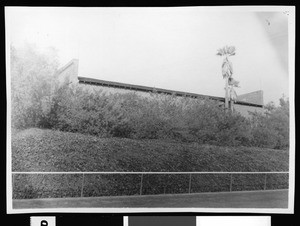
69	74
253	97
112	90
244	109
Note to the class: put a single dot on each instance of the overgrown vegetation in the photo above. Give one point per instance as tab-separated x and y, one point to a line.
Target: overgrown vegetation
82	128
95	185
38	101
35	150
50	151
33	81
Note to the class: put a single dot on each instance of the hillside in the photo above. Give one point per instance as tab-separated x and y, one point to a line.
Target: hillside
47	150
55	151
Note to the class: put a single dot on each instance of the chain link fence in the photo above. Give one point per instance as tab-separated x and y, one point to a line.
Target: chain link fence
28	185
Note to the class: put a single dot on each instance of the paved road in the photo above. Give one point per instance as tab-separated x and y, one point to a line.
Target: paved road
245	199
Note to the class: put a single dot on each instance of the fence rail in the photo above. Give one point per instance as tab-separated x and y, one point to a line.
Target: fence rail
208	172
189	182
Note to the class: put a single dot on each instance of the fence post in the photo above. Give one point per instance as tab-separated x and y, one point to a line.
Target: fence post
12	181
190	183
82	185
230	182
141	188
265	183
165	182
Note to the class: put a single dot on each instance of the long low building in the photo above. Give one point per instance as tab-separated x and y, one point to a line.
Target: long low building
249	102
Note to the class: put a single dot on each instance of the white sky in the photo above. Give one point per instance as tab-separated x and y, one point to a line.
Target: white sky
171	48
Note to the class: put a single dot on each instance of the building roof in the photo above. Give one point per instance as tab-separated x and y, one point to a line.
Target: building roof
67	66
255	97
98	82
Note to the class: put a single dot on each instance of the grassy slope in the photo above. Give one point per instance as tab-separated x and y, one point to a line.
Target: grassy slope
47	150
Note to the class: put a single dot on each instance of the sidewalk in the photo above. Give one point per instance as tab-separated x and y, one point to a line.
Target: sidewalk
244	199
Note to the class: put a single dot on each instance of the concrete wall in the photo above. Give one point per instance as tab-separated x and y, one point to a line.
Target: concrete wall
253	97
69	74
113	90
244	109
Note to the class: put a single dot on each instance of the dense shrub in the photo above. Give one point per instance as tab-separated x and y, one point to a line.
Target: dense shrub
76	109
111	185
95	185
27	186
263	132
55	151
210	182
165	184
38	150
32	82
38	101
271	129
94	112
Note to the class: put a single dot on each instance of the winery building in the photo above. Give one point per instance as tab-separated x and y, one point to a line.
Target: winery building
249	102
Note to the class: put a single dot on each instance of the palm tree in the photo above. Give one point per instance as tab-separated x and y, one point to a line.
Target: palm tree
227	70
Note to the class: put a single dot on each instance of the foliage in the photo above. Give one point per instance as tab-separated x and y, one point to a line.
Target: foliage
96	185
48	150
40	150
91	111
32	82
271	129
226	50
38	101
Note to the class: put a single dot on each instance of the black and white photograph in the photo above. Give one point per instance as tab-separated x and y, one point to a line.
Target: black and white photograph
150	109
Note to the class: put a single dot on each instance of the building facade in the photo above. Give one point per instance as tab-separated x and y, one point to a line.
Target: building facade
245	103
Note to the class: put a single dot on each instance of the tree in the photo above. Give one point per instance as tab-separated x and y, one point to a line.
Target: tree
279	119
32	81
271	129
227	72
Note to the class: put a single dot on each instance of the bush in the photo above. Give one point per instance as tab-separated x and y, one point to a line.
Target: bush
48	150
165	184
96	185
271	129
92	111
38	101
111	185
210	183
32	81
37	150
76	109
46	186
